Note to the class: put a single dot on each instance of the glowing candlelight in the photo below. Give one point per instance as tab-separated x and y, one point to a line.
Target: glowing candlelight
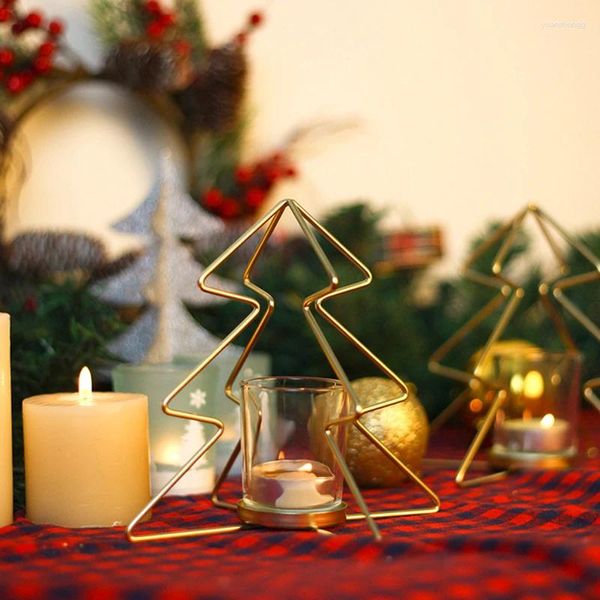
546	434
85	385
533	385
547	421
295	484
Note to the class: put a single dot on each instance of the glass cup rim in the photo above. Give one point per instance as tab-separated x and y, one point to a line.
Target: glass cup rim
539	354
324	384
164	367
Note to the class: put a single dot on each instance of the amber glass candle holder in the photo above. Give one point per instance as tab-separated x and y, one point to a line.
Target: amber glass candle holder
536	427
290	477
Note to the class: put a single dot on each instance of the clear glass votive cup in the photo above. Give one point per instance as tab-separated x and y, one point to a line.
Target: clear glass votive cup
537	425
288	465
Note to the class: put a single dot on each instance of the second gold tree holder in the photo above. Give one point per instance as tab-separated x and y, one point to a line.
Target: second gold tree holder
551	294
335	407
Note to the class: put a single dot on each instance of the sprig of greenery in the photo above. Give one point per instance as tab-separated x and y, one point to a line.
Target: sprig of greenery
191	27
115	20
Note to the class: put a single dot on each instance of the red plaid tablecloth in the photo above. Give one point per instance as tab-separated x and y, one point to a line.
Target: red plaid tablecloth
532	536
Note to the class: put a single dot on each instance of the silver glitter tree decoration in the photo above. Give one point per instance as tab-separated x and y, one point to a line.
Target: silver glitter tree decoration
164	278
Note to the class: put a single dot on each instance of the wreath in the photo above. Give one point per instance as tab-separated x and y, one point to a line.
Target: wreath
162	56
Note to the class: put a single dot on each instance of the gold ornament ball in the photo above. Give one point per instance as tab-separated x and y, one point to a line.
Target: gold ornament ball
403	428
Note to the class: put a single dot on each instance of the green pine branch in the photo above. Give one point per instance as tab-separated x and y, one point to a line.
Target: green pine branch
116	20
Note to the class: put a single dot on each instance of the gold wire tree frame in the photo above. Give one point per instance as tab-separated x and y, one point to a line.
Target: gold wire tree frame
314	302
507	300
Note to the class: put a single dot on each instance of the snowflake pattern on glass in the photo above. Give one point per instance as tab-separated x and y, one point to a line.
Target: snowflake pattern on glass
198	398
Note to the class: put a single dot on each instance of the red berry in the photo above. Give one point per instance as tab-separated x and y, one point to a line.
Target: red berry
213	198
241	39
229	209
290	172
4	14
15	83
255	197
18	28
155	29
243	175
255	19
42	64
166	20
55	28
47	49
153	7
272	174
182	47
33	19
6	57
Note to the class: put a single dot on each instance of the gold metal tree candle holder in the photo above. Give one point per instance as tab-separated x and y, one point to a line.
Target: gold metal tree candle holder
326	423
551	295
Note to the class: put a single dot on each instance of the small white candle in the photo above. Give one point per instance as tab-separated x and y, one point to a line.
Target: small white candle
548	434
86	457
6	481
292	484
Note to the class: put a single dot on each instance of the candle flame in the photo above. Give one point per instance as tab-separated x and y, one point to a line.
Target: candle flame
306	468
547	420
281	455
85	385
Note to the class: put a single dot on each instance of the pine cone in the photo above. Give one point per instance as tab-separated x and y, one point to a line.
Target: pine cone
149	66
109	269
213	100
47	253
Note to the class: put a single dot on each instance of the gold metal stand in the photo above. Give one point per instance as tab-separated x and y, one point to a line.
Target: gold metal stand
291	519
312	306
507	301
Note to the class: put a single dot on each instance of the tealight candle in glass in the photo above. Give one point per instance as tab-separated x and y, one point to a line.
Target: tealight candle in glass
290	477
537	425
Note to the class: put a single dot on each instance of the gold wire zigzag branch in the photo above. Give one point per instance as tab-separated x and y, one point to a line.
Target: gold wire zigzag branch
317	299
509	296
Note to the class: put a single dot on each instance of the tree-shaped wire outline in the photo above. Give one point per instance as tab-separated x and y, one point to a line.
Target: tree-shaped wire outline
317	299
572	281
508	299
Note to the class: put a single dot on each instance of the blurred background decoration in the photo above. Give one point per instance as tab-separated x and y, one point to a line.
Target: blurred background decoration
407	300
162	56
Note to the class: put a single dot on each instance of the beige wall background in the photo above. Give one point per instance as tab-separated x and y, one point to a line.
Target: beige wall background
465	111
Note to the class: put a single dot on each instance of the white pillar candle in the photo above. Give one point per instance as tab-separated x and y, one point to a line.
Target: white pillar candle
86	458
548	434
292	484
6	478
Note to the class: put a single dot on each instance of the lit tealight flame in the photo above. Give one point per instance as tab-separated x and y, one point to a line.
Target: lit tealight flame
547	420
306	468
281	455
85	385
